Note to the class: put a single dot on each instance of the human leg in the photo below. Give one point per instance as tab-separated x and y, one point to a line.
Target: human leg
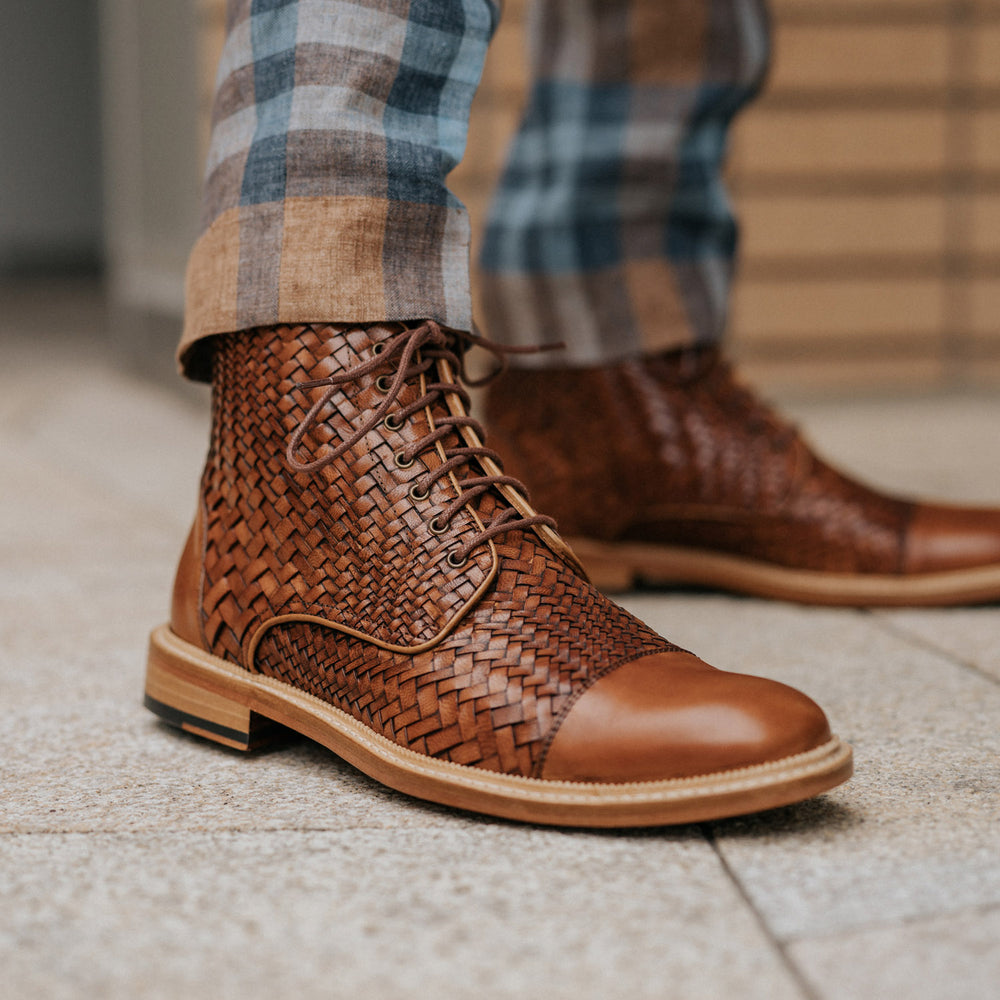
334	128
611	230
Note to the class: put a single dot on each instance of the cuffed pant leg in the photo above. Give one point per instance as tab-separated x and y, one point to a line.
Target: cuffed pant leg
611	229
335	124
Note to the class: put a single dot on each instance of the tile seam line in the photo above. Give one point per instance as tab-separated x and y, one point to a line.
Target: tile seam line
172	830
911	920
886	624
778	946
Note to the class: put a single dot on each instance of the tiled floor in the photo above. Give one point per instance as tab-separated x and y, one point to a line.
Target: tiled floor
139	862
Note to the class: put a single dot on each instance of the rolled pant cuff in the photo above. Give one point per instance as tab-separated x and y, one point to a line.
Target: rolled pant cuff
632	308
325	259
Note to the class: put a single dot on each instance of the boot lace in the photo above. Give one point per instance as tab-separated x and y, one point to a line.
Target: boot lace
411	353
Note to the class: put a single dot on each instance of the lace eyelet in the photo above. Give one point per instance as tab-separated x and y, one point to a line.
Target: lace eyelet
402	462
454	562
418	494
383	383
392	424
435	527
378	348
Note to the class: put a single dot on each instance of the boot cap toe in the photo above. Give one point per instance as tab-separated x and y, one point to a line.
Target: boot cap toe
941	538
671	715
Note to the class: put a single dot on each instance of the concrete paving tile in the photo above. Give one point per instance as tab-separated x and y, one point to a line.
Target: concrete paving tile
129	439
42	505
949	958
107	765
971	635
49	332
84	575
938	446
94	660
61	522
134	441
21	382
916	832
490	910
92	561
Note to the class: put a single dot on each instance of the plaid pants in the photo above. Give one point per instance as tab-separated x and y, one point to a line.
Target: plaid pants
336	122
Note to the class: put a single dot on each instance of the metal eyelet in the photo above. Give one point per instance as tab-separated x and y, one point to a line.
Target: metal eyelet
454	562
418	494
392	424
383	383
378	348
402	462
435	527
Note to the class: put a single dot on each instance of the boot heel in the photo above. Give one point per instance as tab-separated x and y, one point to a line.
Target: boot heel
182	702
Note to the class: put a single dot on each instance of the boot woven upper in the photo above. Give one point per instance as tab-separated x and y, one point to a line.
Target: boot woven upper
328	576
672	450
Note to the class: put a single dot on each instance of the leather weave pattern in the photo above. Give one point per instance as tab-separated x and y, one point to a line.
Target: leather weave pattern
338	543
349	544
672	450
492	691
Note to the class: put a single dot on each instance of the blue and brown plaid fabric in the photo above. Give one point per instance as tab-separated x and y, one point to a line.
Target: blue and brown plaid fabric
611	229
336	123
334	126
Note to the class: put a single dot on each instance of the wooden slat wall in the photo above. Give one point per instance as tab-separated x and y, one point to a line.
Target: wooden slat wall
867	180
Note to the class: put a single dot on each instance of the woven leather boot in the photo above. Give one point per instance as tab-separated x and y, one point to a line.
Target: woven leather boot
666	470
361	571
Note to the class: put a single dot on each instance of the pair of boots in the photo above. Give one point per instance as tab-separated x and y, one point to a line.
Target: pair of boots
362	570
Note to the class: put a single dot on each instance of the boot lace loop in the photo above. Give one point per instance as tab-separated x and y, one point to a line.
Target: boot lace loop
411	353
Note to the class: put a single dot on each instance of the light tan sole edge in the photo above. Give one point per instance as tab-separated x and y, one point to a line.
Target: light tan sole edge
615	568
218	700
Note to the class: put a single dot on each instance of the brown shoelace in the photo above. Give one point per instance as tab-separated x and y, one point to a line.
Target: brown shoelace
415	352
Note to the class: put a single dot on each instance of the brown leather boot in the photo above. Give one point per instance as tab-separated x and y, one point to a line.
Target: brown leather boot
361	571
666	470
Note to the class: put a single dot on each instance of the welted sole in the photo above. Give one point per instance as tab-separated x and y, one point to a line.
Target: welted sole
213	698
616	568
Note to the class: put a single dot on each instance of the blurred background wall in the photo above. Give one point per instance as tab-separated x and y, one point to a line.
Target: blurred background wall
867	179
50	178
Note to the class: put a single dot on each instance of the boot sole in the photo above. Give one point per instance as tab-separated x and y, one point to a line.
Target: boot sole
616	568
208	696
